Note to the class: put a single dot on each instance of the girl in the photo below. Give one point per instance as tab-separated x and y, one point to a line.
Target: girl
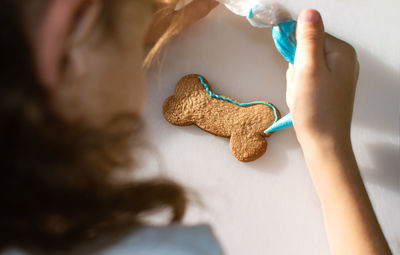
72	91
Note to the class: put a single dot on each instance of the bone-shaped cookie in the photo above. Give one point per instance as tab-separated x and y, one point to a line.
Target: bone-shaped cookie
195	104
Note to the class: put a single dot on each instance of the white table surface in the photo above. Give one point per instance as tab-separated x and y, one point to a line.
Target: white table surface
269	206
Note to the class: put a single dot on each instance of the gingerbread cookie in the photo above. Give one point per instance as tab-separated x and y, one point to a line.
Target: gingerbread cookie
195	104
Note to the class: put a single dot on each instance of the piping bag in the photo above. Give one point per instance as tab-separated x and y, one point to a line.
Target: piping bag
266	14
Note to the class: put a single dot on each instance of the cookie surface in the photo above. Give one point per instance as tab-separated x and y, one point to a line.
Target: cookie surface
195	104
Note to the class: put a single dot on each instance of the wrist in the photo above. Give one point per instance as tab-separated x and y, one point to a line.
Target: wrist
332	166
322	150
312	144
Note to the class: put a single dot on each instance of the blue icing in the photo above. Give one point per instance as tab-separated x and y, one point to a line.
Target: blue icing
285	39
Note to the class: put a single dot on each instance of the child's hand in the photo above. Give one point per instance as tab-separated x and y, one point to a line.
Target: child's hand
321	84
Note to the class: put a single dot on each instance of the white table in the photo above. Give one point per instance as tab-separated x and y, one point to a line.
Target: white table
269	206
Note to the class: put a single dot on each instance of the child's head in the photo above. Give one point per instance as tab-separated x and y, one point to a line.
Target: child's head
72	87
89	55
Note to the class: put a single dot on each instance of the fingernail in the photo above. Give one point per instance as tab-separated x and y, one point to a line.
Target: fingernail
310	16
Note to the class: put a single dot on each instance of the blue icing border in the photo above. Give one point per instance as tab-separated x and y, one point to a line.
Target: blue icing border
212	94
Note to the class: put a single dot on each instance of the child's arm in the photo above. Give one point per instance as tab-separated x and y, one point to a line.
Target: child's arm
320	95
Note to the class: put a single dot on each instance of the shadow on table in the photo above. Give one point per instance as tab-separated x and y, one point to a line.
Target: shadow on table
377	113
378	96
385	171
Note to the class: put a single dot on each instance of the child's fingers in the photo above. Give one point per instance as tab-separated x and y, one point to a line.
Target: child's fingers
289	73
339	54
310	37
289	84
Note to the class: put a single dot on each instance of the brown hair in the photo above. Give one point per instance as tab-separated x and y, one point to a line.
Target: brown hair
55	188
165	13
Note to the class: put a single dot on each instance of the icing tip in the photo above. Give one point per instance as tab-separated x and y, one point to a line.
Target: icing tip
284	122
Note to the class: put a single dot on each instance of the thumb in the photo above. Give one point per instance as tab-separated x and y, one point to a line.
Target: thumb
310	36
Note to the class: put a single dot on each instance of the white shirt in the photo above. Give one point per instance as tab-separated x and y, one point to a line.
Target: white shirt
175	239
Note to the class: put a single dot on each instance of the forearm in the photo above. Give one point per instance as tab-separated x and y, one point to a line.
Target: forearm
351	225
